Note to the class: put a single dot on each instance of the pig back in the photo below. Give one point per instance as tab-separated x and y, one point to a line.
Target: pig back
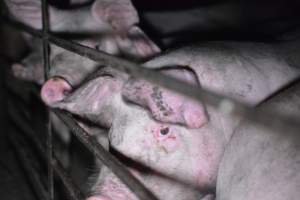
263	164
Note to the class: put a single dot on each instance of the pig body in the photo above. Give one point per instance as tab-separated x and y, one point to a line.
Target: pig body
131	43
168	147
90	18
247	72
262	164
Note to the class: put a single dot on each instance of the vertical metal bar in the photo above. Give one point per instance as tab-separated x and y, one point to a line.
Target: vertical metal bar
45	19
23	156
17	119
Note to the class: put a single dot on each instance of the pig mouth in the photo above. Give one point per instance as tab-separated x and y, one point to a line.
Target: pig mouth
113	189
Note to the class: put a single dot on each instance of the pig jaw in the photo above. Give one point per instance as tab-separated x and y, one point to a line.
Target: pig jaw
111	188
185	155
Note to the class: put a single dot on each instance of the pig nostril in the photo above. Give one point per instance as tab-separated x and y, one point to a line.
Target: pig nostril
50	93
66	92
164	131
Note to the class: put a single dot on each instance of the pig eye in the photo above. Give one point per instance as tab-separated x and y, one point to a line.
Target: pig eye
164	131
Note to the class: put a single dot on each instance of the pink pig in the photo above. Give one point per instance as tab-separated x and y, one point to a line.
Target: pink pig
172	148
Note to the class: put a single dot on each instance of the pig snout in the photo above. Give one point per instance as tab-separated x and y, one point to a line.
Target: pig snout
55	90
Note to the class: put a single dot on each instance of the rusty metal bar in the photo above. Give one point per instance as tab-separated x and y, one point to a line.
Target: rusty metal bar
34	178
74	192
107	159
46	59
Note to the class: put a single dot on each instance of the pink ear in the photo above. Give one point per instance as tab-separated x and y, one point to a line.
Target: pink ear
194	115
121	15
144	45
137	45
166	105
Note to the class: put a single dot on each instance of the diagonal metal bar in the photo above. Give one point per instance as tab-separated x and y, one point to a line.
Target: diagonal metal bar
46	59
226	105
107	159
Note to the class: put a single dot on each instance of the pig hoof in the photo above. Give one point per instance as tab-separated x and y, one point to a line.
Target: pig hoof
55	90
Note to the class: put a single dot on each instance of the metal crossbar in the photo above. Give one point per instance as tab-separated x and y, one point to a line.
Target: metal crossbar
224	104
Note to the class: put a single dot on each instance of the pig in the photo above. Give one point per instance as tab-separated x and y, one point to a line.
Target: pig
114	111
120	14
248	72
260	163
134	44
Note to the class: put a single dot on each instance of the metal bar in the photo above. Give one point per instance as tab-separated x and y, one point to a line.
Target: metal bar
22	155
107	159
224	104
45	21
73	190
45	30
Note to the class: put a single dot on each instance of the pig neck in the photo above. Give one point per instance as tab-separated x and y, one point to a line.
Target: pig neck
246	72
290	51
76	20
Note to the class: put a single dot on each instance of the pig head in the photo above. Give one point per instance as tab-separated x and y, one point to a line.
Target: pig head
173	157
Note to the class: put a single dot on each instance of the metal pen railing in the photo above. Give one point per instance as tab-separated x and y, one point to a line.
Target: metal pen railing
224	104
45	18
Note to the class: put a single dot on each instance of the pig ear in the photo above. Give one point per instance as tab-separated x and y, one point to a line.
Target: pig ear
121	15
165	105
137	45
